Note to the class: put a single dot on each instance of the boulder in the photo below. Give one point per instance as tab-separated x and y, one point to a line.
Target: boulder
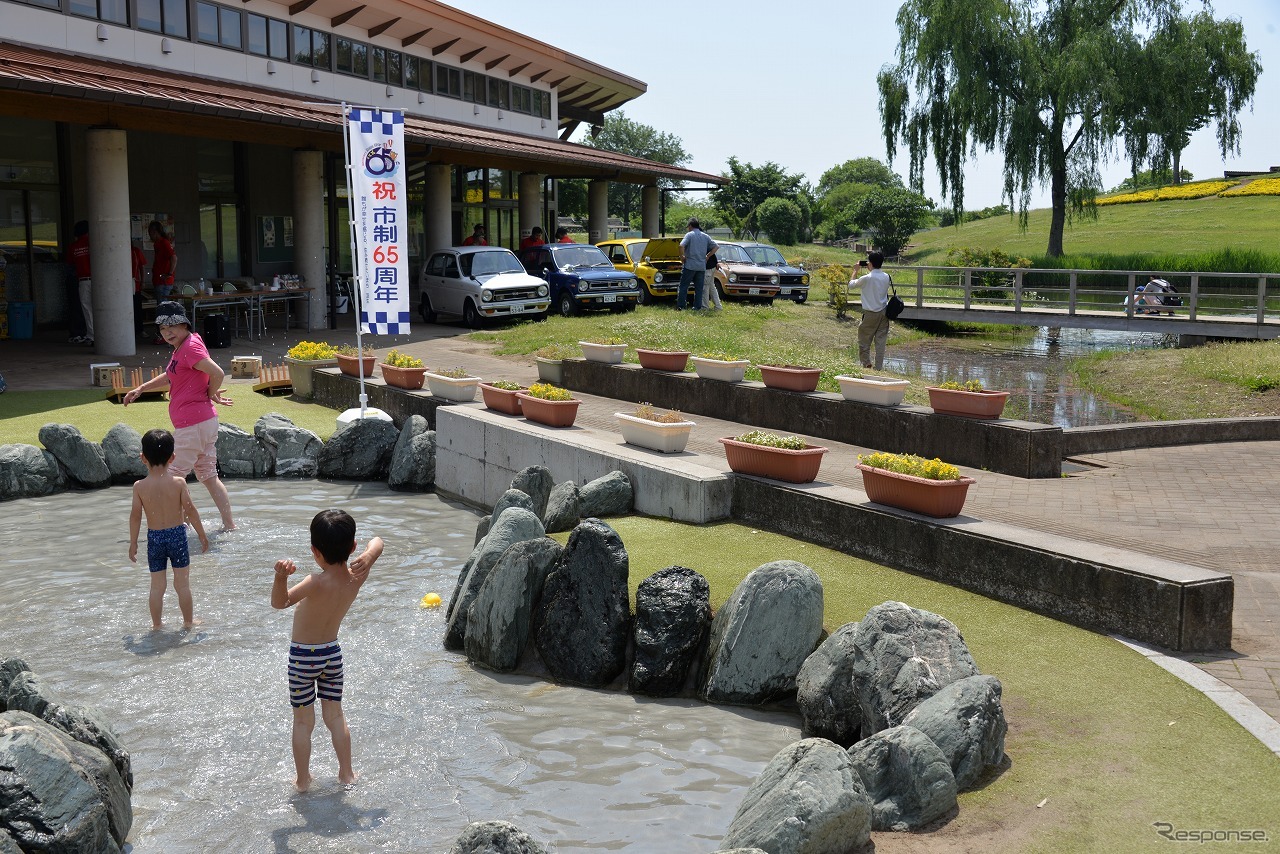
58	795
515	526
584	621
28	472
499	620
824	690
413	459
562	508
673	613
808	800
242	454
82	460
965	719
8	845
9	668
296	451
904	655
606	496
482	528
122	450
361	450
494	837
514	498
763	634
536	482
907	778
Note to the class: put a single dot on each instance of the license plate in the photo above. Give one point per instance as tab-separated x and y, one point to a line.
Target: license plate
755	292
609	298
517	309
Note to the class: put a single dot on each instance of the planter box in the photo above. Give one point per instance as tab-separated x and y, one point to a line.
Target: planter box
941	499
790	377
610	354
969	404
300	373
553	413
667	437
350	365
882	391
663	360
460	389
550	370
778	463
410	378
717	369
501	399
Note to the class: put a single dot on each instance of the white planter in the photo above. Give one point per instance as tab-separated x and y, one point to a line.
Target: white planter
461	389
550	370
610	354
668	438
715	369
881	391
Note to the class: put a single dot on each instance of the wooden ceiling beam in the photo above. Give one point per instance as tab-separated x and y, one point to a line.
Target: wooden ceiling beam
338	20
374	32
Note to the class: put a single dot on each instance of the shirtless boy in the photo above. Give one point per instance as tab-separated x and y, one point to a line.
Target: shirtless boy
315	659
165	500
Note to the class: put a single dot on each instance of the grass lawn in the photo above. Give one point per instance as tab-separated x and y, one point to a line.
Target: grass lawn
1108	741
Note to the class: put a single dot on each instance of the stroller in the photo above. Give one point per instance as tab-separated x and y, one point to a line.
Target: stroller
1158	292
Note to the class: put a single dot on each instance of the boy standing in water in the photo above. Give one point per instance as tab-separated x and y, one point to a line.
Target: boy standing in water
315	659
167	503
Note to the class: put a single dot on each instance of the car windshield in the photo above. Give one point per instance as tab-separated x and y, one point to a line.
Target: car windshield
734	254
581	256
636	251
766	255
488	263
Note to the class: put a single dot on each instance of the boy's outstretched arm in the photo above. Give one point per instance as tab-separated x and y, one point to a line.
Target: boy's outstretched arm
360	565
135	523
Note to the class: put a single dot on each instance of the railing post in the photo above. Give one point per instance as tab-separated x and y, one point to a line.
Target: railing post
1017	290
1194	296
1071	295
968	287
1262	300
919	287
1131	304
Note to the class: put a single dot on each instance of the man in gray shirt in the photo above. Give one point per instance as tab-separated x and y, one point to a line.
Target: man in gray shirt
695	249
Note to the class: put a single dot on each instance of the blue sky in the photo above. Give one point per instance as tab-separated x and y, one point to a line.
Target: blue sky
795	82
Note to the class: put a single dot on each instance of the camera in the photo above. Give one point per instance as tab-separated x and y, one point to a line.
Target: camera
863	263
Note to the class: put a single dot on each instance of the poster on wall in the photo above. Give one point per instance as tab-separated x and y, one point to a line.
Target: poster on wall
379	218
139	227
275	239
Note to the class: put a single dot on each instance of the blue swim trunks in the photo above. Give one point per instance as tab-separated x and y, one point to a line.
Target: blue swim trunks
314	668
167	543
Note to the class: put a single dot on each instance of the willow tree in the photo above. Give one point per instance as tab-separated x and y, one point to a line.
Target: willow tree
1043	82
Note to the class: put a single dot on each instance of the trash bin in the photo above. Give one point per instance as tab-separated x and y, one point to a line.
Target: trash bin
22	319
341	304
217	333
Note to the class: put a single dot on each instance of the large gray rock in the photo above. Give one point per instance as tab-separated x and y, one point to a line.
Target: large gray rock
9	668
122	449
28	472
606	496
535	482
57	794
482	528
359	451
413	459
242	454
82	460
762	635
515	526
808	800
907	778
585	618
903	656
824	690
965	719
29	693
8	845
562	512
673	613
495	837
296	451
499	620
514	498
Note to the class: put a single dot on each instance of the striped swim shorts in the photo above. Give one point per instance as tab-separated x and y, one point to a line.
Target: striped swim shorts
314	668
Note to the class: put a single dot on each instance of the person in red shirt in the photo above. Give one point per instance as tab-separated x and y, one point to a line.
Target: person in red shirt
80	259
165	262
139	270
477	237
562	235
535	238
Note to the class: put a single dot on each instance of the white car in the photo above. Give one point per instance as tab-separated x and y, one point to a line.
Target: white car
479	283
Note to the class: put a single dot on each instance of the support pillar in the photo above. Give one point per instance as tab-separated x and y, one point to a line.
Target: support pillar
531	204
597	211
437	209
649	214
107	183
308	232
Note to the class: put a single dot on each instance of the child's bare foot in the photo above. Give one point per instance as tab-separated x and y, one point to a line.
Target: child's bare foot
155	627
195	621
348	779
302	783
228	526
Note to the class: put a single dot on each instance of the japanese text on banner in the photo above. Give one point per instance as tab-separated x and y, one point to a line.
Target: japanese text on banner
379	219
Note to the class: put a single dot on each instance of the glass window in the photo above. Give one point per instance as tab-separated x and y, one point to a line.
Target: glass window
472	87
499	93
278	38
207	23
412	78
301	45
150	17
395	66
521	99
379	64
88	8
257	34
48	4
360	59
229	28
320	49
216	170
448	81
342	55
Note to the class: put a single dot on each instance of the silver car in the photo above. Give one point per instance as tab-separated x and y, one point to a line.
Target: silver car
479	283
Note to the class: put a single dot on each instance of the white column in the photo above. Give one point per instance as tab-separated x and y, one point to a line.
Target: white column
437	209
107	185
308	231
598	211
531	204
649	213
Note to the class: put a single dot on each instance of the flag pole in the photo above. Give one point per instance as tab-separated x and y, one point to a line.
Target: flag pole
356	267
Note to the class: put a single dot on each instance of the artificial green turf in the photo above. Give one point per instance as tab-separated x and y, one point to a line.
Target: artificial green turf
1109	741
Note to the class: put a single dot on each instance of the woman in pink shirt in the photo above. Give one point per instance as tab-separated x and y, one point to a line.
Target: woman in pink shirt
194	382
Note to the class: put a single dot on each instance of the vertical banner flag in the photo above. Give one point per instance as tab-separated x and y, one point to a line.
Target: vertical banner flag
379	219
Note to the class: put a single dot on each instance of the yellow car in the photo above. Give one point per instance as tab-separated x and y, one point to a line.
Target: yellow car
655	262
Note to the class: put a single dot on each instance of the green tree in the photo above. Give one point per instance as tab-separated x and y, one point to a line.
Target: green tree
836	210
781	219
571	197
620	134
863	170
748	187
892	215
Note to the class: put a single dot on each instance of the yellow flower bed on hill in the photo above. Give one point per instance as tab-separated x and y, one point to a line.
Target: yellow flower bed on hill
1260	187
1164	194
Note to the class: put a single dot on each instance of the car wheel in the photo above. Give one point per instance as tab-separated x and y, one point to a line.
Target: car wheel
424	308
541	316
768	301
645	297
470	316
800	300
568	305
629	307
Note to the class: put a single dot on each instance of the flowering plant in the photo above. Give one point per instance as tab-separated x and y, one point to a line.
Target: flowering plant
649	413
546	391
971	385
772	440
350	350
396	359
458	373
311	351
910	464
718	357
506	385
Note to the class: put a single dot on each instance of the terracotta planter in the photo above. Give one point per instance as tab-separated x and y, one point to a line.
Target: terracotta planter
663	360
300	373
410	378
882	391
610	354
970	404
790	377
718	369
778	463
501	399
941	499
550	370
460	389
350	365
668	437
553	413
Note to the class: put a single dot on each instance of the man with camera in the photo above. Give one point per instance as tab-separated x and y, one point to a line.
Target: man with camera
874	285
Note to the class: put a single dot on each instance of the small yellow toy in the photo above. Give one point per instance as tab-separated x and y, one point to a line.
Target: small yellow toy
431	600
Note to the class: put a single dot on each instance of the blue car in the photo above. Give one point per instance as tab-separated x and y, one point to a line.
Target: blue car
580	277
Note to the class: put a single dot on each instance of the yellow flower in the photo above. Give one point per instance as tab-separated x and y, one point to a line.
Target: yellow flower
311	351
934	469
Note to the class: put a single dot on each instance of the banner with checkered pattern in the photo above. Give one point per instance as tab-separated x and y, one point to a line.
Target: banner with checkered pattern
379	218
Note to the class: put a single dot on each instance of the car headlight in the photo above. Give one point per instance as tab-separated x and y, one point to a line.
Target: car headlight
542	290
582	286
733	277
804	280
773	280
657	278
487	296
635	284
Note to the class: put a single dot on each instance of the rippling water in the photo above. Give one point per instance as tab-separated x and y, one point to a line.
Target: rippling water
437	743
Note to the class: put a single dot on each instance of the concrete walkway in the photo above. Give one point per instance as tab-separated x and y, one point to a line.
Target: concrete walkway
1212	506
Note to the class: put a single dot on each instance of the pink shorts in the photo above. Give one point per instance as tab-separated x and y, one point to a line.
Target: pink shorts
196	447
